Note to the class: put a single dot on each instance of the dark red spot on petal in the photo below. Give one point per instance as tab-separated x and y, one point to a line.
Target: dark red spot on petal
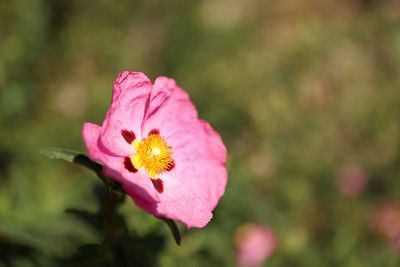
129	136
128	165
171	166
154	131
158	185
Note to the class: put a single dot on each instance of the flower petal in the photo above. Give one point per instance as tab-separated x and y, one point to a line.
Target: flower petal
194	186
199	176
183	105
137	184
172	102
90	135
130	96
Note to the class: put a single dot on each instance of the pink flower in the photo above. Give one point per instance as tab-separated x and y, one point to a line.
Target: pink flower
254	244
351	180
169	161
387	222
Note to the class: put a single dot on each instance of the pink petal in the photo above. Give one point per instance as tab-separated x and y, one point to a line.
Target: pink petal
138	184
199	176
90	135
181	203
130	95
194	186
172	102
164	89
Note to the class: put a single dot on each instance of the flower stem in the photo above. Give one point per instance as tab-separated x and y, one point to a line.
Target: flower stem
109	214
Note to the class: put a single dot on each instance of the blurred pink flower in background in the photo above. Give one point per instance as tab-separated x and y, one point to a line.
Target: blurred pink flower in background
254	244
386	220
168	160
351	180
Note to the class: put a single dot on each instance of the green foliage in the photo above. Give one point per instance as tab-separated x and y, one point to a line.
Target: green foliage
72	156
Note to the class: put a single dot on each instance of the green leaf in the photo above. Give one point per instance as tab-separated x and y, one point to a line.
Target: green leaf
72	156
174	229
76	157
60	153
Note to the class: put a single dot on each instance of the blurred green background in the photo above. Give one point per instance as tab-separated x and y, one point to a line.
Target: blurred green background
299	90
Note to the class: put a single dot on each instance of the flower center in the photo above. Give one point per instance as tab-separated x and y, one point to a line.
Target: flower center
153	154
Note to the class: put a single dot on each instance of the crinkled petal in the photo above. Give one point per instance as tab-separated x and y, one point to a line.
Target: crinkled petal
194	186
90	135
137	185
181	203
163	90
130	96
199	176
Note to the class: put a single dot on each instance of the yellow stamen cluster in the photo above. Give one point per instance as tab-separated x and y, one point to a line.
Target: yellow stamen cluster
153	154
